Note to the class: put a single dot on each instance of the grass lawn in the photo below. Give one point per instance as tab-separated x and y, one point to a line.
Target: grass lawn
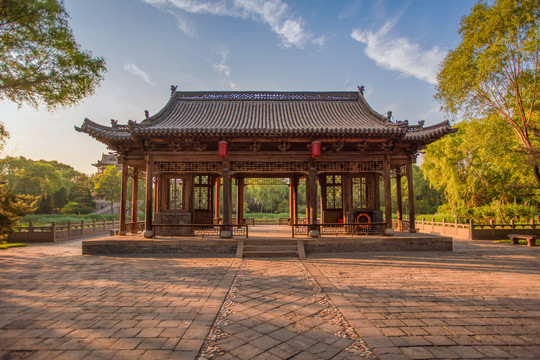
5	246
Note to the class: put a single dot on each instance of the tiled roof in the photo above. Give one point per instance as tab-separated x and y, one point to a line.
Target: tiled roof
430	133
251	114
268	113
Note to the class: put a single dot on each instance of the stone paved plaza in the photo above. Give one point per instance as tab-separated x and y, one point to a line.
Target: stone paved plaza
480	301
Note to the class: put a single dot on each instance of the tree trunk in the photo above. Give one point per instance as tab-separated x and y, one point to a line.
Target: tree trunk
536	172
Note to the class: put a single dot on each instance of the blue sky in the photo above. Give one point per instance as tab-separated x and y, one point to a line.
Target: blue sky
391	47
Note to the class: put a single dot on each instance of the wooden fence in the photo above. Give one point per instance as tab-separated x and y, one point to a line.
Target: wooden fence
472	231
54	232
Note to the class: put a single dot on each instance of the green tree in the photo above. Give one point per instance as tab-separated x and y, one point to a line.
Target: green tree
51	181
495	69
426	198
40	61
81	195
12	208
109	184
479	164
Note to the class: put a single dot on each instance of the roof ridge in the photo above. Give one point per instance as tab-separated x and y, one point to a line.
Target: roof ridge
267	95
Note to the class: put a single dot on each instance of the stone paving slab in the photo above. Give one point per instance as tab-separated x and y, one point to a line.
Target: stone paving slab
480	301
55	303
276	310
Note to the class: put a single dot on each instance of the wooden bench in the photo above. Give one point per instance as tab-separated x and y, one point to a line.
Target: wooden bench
531	239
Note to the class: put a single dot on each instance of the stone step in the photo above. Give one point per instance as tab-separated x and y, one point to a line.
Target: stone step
269	242
250	247
270	253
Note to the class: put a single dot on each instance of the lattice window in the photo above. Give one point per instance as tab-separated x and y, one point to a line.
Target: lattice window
333	192
360	199
269	166
202	192
266	181
350	166
187	166
175	195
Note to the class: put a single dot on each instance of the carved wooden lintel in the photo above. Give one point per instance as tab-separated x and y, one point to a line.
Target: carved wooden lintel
337	146
255	146
198	146
284	146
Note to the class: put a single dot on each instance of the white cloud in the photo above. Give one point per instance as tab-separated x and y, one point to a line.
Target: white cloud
274	13
222	68
399	54
134	70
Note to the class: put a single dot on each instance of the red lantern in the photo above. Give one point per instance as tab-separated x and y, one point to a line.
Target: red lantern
223	149
316	149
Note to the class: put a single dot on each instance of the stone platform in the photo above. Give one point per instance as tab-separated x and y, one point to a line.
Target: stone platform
137	244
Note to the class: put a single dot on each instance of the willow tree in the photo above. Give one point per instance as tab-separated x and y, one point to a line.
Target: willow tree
495	70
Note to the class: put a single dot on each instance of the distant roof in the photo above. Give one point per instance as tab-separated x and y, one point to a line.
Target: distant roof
264	114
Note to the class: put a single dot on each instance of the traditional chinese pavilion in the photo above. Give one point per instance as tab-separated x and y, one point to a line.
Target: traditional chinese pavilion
201	142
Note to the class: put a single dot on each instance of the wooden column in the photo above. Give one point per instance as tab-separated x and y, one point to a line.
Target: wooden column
308	199
134	201
148	215
227	206
313	195
346	195
387	192
217	211
239	200
294	188
123	196
291	208
399	201
412	225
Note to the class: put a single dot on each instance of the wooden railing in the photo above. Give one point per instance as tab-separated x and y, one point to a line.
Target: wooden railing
200	230
56	232
472	231
339	229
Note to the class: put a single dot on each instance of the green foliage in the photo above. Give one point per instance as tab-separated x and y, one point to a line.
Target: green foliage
81	195
12	208
47	219
4	135
10	245
499	212
54	183
76	208
479	164
40	60
495	70
426	198
109	184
